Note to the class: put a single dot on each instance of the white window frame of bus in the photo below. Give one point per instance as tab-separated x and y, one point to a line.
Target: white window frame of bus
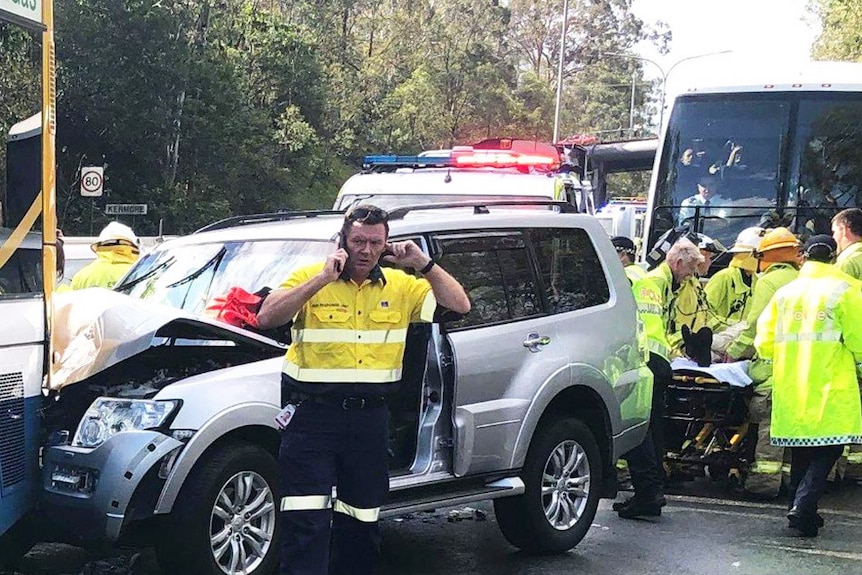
794	139
672	149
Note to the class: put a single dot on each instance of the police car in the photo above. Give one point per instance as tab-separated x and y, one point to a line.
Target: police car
498	169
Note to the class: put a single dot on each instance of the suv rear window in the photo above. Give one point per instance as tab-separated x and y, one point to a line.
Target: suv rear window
570	269
495	270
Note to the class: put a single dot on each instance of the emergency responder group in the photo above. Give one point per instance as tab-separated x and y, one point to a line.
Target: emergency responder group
795	312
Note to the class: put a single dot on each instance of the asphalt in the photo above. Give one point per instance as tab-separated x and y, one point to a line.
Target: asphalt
704	530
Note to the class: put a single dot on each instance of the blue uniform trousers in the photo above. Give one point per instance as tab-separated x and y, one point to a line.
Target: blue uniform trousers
326	445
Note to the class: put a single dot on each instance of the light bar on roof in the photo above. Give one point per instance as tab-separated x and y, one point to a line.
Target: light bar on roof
467	157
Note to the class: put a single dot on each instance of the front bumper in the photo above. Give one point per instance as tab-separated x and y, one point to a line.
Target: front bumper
87	492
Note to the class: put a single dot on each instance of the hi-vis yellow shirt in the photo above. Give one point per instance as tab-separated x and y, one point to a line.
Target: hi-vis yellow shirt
349	333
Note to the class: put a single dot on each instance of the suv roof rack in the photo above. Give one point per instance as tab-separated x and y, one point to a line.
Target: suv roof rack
480	207
267	217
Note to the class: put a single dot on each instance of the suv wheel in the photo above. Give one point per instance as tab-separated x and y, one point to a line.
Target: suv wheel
225	519
562	475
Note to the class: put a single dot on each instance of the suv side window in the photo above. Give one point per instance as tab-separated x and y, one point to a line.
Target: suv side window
494	268
571	272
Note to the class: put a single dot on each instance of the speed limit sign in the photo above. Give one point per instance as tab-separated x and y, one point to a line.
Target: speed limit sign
92	181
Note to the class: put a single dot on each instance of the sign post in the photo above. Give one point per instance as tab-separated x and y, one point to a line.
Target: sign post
92	181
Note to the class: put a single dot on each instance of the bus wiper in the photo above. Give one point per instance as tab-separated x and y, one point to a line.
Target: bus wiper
130	284
192	276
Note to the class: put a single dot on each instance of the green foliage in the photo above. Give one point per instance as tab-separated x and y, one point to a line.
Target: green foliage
206	109
841	22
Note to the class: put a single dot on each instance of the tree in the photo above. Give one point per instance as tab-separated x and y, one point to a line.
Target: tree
841	25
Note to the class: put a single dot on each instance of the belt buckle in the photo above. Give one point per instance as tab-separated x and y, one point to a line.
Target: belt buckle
353	403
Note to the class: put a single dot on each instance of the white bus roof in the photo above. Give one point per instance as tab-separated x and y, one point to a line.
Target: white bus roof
806	77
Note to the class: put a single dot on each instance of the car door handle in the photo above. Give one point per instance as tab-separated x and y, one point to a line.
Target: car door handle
534	340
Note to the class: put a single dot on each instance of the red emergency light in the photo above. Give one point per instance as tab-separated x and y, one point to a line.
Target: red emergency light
499	158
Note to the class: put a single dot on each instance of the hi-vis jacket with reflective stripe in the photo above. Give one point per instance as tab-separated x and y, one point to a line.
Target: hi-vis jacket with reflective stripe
685	305
110	265
729	297
775	276
812	331
850	260
650	312
349	333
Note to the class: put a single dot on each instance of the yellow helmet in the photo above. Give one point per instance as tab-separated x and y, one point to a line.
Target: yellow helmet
778	238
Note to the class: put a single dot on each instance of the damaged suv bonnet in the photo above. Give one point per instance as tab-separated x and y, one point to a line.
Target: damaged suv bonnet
128	347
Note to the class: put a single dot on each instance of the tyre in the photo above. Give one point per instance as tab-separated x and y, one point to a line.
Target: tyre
224	521
563	477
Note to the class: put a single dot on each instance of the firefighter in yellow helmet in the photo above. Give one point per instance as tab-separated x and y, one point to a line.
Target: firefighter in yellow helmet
778	262
812	330
729	290
116	250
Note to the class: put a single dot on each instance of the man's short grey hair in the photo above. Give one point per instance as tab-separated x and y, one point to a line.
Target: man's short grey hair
685	251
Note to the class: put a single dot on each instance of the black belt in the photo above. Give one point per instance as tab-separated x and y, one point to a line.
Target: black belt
347	403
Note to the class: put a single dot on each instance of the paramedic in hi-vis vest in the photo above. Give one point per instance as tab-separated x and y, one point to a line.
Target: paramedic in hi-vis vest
812	331
645	461
847	233
350	319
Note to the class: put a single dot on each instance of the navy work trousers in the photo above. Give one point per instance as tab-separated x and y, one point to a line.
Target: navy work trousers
646	460
326	445
809	469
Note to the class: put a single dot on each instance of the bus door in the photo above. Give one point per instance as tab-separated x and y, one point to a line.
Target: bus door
23	338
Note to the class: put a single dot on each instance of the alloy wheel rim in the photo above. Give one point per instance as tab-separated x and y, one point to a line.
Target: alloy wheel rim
565	485
242	523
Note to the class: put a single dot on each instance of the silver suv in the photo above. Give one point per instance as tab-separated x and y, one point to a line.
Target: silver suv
529	400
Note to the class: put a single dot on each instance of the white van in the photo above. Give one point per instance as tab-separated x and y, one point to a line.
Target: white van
464	173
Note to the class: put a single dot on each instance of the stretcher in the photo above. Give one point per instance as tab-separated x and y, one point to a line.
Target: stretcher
706	424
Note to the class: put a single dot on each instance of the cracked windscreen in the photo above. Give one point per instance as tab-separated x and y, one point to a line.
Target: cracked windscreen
188	277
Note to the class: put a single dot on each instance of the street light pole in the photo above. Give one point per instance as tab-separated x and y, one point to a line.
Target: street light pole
664	75
560	71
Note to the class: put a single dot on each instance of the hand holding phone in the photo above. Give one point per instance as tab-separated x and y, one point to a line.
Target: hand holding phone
334	265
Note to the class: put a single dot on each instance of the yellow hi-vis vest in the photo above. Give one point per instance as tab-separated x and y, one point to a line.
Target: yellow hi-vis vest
349	333
686	305
850	260
111	264
812	331
650	312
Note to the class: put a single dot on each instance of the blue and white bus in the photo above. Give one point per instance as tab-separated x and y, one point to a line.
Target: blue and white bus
786	150
27	274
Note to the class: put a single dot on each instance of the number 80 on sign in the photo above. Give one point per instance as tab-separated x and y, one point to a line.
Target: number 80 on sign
92	181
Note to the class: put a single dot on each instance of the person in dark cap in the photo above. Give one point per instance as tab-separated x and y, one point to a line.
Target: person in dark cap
820	248
812	332
645	460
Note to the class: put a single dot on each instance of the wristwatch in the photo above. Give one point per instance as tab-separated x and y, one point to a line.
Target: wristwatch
428	266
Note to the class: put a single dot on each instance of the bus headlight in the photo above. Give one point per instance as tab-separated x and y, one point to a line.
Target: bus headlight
108	416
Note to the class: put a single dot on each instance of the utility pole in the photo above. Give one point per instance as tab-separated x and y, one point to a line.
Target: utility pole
560	71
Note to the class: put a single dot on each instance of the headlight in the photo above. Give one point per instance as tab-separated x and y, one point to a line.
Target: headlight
108	416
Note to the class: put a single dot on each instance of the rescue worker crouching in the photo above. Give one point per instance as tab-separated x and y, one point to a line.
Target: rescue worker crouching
812	331
645	461
778	261
116	250
728	292
350	319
